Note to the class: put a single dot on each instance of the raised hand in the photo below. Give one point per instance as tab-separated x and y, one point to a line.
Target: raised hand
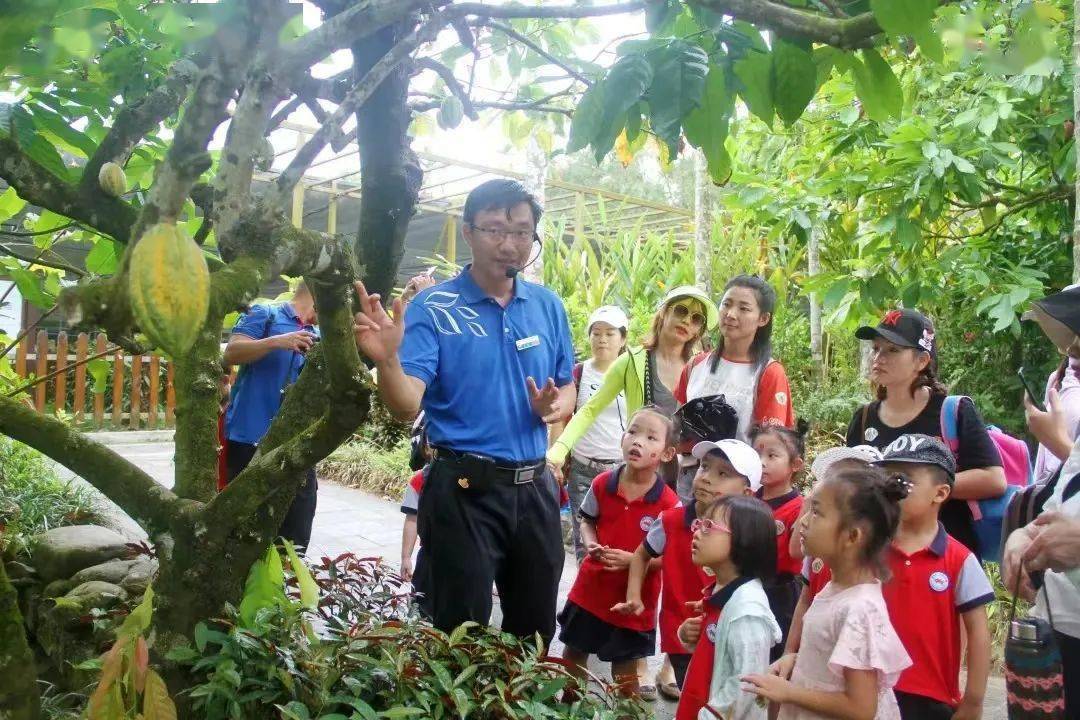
545	400
378	336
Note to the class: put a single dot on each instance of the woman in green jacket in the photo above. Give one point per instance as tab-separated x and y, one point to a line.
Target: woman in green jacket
647	374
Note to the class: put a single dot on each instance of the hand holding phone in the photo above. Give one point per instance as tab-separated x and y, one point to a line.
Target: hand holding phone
1036	400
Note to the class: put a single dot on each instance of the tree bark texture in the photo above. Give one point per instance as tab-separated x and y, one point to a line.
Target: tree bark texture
813	261
19	699
702	224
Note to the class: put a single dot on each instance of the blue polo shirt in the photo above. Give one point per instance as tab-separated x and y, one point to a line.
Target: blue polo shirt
256	394
474	356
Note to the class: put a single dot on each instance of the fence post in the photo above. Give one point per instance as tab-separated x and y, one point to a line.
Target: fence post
20	357
41	369
170	395
118	389
61	377
152	401
136	392
99	397
81	343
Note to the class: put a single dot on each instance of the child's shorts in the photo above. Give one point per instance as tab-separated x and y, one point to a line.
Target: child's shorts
584	632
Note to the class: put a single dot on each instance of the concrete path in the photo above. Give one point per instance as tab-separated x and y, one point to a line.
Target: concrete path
350	520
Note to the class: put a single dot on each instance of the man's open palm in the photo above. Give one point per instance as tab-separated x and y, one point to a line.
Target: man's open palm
545	400
378	336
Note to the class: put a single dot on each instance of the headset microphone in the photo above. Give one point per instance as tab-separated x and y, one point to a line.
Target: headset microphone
511	272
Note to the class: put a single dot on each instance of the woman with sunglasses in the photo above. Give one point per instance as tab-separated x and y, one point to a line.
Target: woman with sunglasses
646	374
741	368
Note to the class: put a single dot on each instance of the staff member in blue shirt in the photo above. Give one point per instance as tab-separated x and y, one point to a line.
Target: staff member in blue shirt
472	352
269	343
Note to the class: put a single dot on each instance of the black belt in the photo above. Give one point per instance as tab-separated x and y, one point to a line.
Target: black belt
516	473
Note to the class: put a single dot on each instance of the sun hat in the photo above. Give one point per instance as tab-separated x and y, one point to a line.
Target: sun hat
613	315
826	459
712	315
742	457
1058	315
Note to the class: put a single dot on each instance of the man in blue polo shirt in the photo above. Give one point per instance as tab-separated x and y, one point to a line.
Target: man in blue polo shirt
269	343
489	358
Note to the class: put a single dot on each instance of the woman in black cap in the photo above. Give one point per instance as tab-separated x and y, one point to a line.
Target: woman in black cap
910	397
1056	430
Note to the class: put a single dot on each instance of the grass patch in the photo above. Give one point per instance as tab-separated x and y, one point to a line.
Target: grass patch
370	468
33	499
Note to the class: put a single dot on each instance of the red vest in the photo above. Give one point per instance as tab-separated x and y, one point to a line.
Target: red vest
683	580
785	510
695	689
620	524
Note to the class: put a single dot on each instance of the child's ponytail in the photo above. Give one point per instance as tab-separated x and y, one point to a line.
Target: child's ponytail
871	500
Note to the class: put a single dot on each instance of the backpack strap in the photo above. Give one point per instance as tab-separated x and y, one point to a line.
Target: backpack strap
649	359
950	433
950	422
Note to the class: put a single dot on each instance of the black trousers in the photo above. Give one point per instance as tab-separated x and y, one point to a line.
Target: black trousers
920	707
296	526
509	535
680	663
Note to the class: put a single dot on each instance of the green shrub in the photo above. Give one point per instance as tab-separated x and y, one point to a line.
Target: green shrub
367	466
33	499
368	655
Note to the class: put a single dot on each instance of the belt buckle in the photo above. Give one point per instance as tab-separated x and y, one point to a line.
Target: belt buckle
524	476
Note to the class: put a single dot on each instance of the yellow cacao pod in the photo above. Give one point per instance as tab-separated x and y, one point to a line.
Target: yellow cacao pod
169	285
112	179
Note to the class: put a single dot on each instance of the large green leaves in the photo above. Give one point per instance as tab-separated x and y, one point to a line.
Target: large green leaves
910	17
794	79
877	87
601	114
678	82
755	76
707	125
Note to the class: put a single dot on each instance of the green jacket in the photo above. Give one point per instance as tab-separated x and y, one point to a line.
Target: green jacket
626	374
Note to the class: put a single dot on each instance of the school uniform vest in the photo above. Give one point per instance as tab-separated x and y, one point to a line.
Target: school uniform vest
683	580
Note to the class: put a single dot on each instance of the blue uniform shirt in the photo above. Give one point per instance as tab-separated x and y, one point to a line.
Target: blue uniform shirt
256	394
474	356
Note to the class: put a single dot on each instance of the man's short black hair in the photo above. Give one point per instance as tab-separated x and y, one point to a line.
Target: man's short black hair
499	195
753	534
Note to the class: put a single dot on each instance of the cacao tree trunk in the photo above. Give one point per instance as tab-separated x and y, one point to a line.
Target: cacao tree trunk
19	698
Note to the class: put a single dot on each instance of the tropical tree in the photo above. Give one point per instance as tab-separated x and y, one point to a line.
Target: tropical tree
148	86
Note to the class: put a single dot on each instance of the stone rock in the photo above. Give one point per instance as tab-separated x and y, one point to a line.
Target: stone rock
139	575
112	571
57	588
62	552
77	603
17	570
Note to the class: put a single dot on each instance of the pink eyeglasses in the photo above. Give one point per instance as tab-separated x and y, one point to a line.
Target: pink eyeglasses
706	526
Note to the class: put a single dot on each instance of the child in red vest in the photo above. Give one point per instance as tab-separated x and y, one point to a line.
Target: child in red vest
781	450
719	474
937	586
735	539
618	509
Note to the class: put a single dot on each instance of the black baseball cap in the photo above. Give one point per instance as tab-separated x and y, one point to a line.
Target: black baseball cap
919	450
1058	315
906	328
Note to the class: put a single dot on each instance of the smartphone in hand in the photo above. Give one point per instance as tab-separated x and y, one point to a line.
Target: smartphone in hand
1036	400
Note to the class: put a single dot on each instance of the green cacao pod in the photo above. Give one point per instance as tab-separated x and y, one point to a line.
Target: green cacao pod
169	285
112	179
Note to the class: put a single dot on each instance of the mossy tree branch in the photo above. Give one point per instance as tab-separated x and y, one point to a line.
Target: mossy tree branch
123	482
40	187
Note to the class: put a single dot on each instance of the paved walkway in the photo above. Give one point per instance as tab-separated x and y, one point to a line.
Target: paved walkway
350	520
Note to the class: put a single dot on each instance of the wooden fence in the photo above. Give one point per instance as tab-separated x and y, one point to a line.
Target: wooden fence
137	394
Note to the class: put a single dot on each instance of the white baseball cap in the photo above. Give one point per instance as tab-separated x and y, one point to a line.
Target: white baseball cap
613	315
822	463
742	457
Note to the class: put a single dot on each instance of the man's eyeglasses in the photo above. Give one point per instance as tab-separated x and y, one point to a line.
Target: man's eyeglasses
680	312
706	526
520	236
